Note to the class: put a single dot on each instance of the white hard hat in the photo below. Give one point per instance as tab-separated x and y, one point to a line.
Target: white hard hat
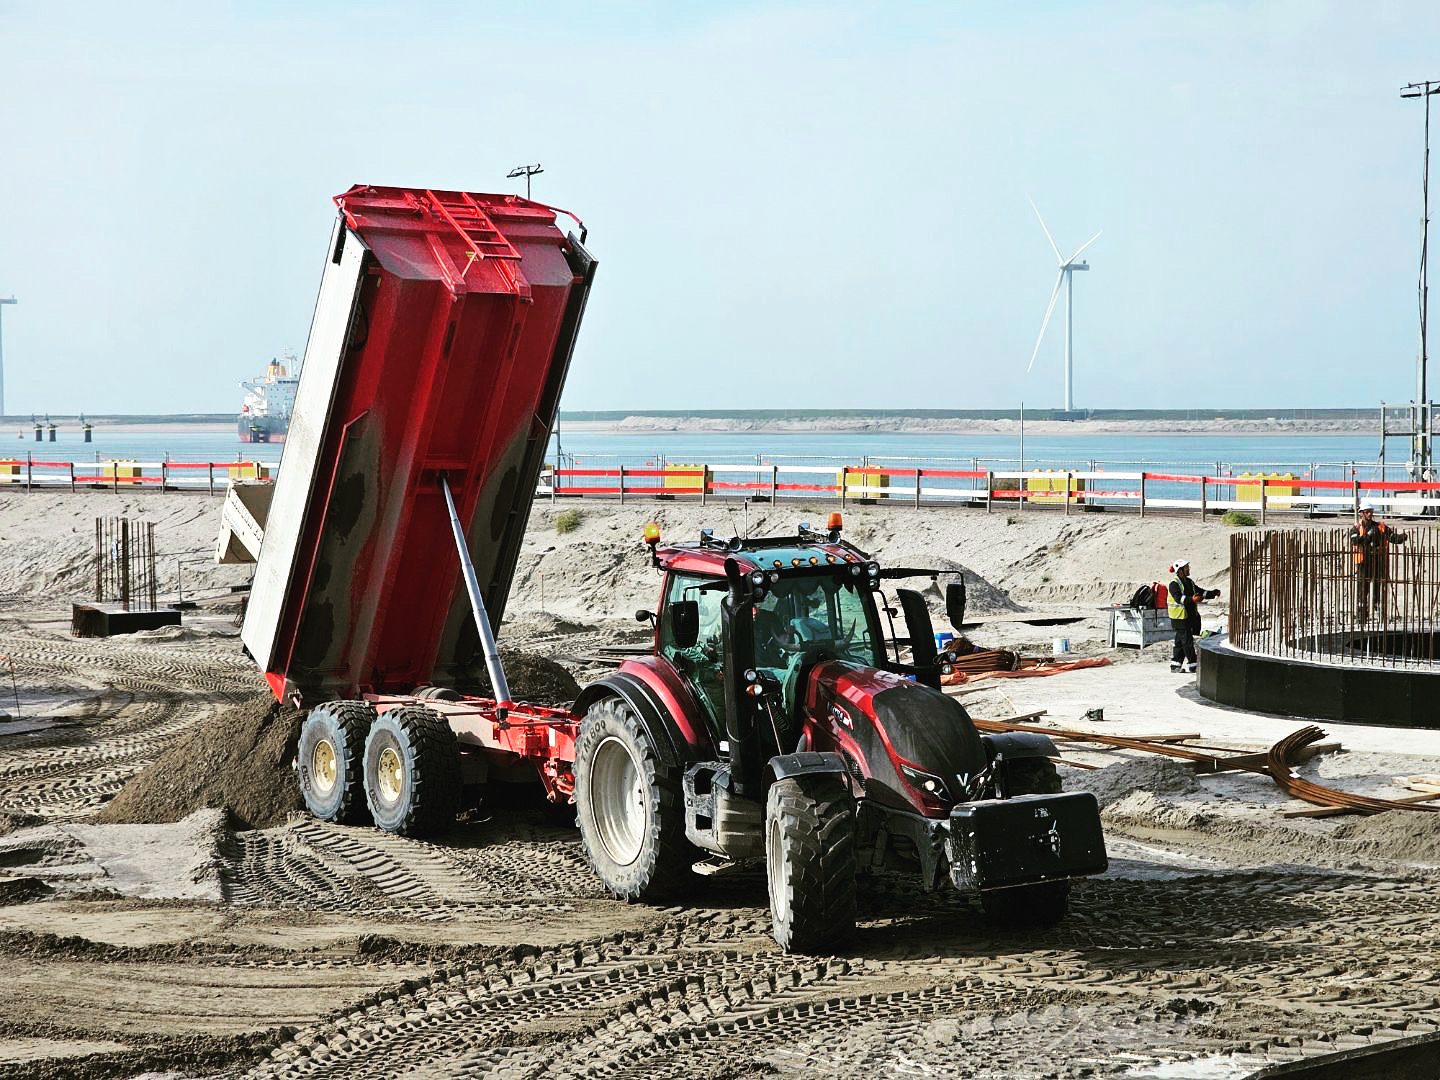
1368	505
1177	564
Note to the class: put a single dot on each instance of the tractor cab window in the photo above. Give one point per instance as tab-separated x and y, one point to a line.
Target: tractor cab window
816	616
702	663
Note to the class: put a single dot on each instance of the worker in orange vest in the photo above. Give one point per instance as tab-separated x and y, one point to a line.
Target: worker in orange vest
1370	540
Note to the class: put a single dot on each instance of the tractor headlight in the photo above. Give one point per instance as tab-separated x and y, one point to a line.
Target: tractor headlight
757	578
873	569
774	577
855	571
926	782
751	675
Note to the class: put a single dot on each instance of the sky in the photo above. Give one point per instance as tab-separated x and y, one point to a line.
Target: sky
793	205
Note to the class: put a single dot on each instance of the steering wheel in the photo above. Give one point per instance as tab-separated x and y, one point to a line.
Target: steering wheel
805	646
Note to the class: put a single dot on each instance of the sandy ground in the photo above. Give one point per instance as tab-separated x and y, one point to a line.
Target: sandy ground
1224	936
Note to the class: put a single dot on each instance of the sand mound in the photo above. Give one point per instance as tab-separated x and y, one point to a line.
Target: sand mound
1405	836
238	760
1148	776
533	678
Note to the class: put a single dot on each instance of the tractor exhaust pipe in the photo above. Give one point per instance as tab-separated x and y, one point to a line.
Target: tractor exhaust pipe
477	607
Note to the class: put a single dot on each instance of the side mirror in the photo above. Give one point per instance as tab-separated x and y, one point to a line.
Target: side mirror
645	615
955	603
685	623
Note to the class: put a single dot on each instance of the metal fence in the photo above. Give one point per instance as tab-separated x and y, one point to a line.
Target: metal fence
1304	593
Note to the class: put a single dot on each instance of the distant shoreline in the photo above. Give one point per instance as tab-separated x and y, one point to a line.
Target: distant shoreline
906	425
857	425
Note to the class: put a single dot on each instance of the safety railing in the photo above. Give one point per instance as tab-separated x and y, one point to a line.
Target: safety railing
1063	489
30	473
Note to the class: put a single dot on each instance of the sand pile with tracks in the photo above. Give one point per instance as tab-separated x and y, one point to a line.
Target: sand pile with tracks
239	759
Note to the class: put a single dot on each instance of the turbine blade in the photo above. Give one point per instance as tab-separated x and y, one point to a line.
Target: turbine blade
1045	324
1083	246
1047	231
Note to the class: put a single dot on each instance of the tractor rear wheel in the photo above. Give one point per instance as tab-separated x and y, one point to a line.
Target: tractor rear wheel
328	761
1045	903
412	772
629	806
810	862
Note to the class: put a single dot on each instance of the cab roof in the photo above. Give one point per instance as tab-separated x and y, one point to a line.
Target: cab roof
807	551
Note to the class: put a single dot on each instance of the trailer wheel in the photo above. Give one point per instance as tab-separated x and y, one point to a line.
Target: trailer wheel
1045	903
412	772
329	761
629	807
810	862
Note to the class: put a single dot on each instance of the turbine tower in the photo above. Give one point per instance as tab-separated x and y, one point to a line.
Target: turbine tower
1067	267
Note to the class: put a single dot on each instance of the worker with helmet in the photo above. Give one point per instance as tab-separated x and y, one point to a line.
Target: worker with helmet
1184	597
1370	541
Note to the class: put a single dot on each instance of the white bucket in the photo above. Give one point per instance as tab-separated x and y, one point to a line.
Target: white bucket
1061	646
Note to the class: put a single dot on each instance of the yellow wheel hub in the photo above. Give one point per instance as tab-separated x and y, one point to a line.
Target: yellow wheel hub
324	767
391	774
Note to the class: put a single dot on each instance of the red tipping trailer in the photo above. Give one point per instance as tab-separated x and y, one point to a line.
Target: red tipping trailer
438	348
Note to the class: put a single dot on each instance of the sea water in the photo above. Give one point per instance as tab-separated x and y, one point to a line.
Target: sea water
1189	453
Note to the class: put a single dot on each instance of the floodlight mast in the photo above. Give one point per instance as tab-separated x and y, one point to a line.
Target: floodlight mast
1421	461
526	171
3	301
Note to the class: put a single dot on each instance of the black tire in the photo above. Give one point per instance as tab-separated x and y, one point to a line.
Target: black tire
1029	906
637	848
412	772
810	862
436	693
329	761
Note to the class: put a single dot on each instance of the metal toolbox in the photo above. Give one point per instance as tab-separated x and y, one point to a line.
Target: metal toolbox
1138	627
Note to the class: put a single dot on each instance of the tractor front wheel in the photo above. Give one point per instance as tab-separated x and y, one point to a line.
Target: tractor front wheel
629	806
328	760
810	862
412	772
1044	903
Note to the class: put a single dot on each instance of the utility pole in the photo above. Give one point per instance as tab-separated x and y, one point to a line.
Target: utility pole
526	171
3	301
1420	460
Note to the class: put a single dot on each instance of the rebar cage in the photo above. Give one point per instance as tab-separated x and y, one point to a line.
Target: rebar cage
125	563
1306	594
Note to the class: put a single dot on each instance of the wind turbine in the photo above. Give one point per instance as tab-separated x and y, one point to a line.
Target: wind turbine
1067	267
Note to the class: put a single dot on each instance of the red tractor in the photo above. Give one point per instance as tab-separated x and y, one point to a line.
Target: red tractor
773	720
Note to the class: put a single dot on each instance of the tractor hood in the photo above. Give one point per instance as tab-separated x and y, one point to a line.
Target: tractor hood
930	730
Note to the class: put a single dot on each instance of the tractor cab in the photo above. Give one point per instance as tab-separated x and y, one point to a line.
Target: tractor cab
774	607
777	719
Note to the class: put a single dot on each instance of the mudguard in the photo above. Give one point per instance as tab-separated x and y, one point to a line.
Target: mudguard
1018	744
806	763
654	718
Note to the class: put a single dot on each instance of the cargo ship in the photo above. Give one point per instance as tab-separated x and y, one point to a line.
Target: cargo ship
269	400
